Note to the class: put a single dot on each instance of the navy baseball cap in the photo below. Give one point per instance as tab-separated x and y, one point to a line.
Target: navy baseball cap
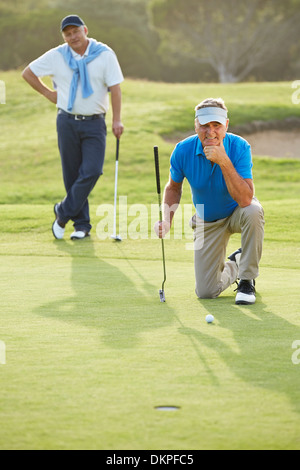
71	20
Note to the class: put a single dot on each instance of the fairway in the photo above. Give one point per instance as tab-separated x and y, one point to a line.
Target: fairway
90	350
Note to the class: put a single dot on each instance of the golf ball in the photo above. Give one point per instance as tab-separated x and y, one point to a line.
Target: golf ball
209	318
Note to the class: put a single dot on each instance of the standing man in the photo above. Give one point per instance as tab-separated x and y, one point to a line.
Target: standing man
83	71
218	167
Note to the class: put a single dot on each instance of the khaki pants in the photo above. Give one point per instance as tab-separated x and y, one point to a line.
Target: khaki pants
213	274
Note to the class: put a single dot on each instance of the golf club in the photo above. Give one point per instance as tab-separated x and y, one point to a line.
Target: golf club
115	236
156	159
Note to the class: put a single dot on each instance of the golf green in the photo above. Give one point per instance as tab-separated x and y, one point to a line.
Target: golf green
88	353
91	352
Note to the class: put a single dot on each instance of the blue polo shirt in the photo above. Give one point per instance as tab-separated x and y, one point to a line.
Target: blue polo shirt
209	191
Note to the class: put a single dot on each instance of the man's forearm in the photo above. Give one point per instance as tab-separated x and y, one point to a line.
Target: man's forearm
171	201
240	190
38	85
116	102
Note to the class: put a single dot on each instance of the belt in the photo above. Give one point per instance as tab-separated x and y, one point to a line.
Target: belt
80	117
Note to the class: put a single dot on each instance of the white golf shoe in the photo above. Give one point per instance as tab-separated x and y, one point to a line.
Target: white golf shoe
79	235
58	231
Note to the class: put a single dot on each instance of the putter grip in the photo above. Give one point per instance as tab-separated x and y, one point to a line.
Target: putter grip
117	150
156	158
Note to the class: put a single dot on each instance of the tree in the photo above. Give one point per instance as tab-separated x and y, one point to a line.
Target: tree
29	28
234	37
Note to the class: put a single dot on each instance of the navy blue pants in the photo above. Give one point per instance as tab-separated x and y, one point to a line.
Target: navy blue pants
82	150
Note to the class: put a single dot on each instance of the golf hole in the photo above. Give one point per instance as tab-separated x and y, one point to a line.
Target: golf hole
167	408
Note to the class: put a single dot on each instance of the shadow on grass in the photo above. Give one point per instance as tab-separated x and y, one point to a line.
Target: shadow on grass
263	356
121	306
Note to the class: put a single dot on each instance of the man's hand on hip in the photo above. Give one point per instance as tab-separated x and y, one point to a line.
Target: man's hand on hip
51	96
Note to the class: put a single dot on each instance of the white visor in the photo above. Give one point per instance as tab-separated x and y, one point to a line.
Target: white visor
211	114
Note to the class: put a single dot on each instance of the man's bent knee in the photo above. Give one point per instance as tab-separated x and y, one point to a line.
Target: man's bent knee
254	212
205	293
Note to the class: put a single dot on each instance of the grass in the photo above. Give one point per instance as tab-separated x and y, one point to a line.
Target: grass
90	350
151	110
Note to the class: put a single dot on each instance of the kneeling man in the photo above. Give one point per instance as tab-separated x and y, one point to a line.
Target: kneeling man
218	167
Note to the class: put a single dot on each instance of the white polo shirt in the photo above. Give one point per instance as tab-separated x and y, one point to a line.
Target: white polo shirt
104	72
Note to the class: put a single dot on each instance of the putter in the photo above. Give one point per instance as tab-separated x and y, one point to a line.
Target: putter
115	236
156	159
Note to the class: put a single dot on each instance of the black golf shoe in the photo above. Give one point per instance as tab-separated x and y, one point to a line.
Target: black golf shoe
236	256
245	293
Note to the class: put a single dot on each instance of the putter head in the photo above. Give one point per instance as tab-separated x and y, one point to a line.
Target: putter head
162	296
117	238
